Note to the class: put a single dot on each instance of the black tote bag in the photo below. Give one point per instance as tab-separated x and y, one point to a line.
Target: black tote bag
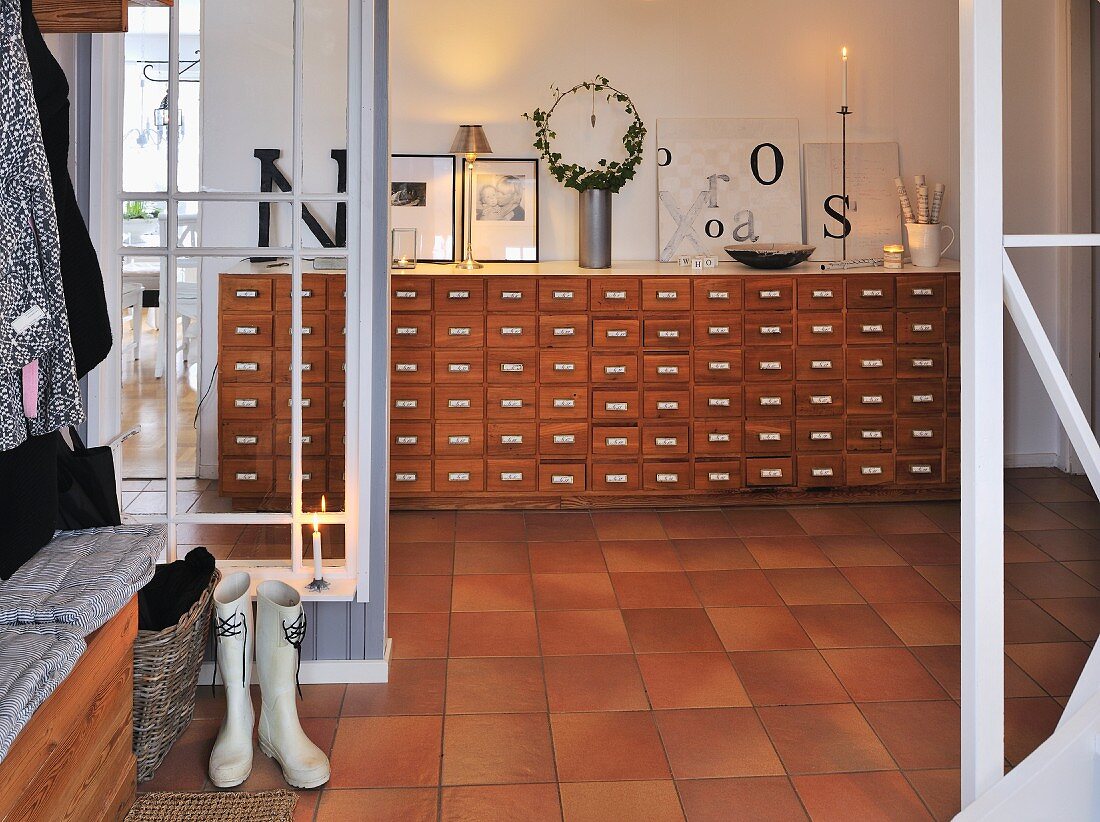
85	485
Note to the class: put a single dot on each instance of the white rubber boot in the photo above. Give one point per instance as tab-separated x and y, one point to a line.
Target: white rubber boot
281	623
231	759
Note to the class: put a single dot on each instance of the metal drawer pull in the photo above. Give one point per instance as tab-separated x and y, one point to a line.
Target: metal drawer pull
872	328
718	476
511	295
306	330
459	332
564	366
922	292
511	367
307	293
668	370
667	295
458	476
770	330
565	403
614	369
511	403
458	295
771	473
668	478
458	403
615	333
718	330
871	470
247	439
821	436
616	406
872	435
404	477
771	365
569	331
406	367
246	403
616	442
770	436
405	403
306	402
458	439
871	363
247	366
922	328
821	365
565	439
407	331
923	398
822	329
307	439
821	399
306	476
668	405
405	295
923	434
719	402
823	294
511	439
924	363
511	331
246	294
822	472
872	400
872	292
770	295
771	401
409	440
246	330
616	479
670	334
458	368
719	365
667	442
614	295
718	295
511	476
563	295
561	479
308	366
920	469
246	476
718	438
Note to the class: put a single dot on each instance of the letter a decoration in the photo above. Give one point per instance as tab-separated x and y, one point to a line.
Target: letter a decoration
725	182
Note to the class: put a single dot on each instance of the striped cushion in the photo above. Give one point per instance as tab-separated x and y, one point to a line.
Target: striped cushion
82	578
34	660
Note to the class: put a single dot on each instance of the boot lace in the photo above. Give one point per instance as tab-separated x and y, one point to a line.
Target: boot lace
295	634
235	625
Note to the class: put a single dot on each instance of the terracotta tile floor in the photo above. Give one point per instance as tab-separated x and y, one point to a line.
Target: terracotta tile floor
712	665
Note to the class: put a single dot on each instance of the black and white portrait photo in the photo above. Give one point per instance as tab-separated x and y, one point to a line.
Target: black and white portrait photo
500	198
405	195
503	198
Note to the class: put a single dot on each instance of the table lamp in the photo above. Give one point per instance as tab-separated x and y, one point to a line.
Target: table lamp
470	141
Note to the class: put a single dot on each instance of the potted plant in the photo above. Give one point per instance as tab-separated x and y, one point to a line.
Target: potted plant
595	185
139	219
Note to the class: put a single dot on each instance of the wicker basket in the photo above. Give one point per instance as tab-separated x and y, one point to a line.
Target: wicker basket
166	673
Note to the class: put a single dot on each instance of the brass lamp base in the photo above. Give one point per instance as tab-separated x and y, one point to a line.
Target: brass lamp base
468	265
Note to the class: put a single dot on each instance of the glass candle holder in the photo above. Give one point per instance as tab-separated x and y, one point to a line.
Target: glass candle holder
893	257
403	248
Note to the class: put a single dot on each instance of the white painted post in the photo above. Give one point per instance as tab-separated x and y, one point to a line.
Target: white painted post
980	51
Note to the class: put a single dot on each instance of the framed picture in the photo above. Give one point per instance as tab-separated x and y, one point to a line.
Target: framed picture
505	210
422	196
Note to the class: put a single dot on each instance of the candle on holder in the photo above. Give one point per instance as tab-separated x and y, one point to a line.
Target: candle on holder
317	572
844	59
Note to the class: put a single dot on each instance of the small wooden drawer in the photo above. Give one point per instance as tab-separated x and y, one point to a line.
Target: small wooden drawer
819	399
564	477
952	469
870	362
336	365
954	296
659	332
411	367
718	475
254	330
314	297
512	331
769	328
820	294
511	475
511	294
563	331
615	404
952	326
336	329
921	362
564	402
863	398
921	291
717	402
315	401
615	294
954	399
337	435
314	475
410	403
764	437
616	333
717	293
615	476
336	293
954	362
407	439
245	438
822	436
511	403
921	397
616	440
870	292
511	367
245	402
920	469
667	368
769	400
921	326
769	293
458	476
769	364
315	364
563	439
409	476
921	434
563	295
466	366
459	402
711	330
337	401
612	369
869	469
314	330
660	403
336	471
870	434
246	477
767	472
254	295
512	439
661	475
671	439
954	435
459	439
556	367
813	364
666	294
718	365
821	470
314	439
247	365
458	295
869	327
411	331
459	331
717	437
410	293
825	328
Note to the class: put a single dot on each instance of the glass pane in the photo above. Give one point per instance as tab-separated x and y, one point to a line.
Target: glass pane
325	95
234	224
332	547
144	223
145	91
324	225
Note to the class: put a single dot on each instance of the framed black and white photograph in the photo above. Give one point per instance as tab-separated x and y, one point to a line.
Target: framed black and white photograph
422	196
505	207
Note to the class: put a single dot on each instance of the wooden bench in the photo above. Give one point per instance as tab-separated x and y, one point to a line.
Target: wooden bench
74	760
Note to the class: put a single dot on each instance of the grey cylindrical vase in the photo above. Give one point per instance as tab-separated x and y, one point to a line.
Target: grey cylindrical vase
595	228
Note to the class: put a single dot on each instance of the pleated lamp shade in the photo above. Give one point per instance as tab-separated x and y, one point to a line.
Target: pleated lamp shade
471	140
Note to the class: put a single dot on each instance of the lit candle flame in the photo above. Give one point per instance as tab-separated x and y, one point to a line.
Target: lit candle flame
844	52
322	503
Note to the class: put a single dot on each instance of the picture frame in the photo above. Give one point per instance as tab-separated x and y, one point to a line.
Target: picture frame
422	197
505	224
